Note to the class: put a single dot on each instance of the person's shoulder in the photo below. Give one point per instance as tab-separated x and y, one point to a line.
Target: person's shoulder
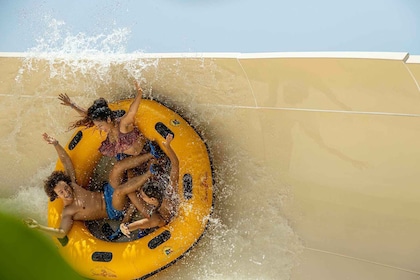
76	186
70	210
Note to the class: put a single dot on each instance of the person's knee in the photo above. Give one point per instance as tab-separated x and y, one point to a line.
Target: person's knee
118	196
118	199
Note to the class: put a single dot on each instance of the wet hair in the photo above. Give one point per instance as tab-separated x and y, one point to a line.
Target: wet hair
51	182
153	190
99	111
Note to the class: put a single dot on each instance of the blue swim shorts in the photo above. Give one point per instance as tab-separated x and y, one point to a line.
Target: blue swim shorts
113	213
121	156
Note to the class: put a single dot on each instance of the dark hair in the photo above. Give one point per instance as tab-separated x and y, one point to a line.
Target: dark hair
153	190
51	182
99	111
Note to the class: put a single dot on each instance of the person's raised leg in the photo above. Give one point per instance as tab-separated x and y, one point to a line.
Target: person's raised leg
117	173
133	184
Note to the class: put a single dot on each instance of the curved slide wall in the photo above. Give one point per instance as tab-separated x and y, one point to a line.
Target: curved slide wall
339	133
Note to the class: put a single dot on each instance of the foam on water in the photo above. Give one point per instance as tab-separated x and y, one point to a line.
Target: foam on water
248	236
29	200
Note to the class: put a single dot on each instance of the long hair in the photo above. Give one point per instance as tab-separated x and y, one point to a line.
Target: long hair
51	182
99	111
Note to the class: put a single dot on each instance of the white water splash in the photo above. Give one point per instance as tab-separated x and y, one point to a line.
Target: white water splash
239	243
94	57
61	42
29	200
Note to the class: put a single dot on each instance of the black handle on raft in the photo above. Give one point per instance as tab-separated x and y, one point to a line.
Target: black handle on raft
102	256
160	239
187	184
76	139
163	130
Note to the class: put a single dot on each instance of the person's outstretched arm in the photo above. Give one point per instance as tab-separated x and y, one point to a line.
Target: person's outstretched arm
127	122
63	156
57	232
155	220
66	101
65	225
174	173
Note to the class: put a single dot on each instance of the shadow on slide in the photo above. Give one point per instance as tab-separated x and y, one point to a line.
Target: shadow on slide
27	254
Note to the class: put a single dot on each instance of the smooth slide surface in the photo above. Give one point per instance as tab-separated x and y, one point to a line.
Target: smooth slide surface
315	155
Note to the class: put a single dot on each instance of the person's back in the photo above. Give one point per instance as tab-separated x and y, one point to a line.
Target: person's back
169	206
130	143
170	203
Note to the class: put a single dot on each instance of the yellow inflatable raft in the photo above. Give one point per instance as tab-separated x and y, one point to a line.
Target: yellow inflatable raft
95	258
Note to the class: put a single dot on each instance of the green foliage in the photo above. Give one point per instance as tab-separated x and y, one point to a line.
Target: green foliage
28	254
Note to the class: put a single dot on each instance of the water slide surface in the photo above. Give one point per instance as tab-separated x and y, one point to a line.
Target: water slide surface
316	155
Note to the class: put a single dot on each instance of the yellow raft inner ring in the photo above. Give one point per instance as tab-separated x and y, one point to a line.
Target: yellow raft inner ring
98	259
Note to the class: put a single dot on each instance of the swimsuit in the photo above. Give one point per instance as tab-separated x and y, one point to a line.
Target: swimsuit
113	213
121	156
124	141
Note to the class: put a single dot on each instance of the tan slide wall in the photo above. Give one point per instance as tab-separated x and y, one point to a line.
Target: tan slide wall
339	131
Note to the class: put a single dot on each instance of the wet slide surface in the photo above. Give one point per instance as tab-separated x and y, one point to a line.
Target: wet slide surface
315	154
